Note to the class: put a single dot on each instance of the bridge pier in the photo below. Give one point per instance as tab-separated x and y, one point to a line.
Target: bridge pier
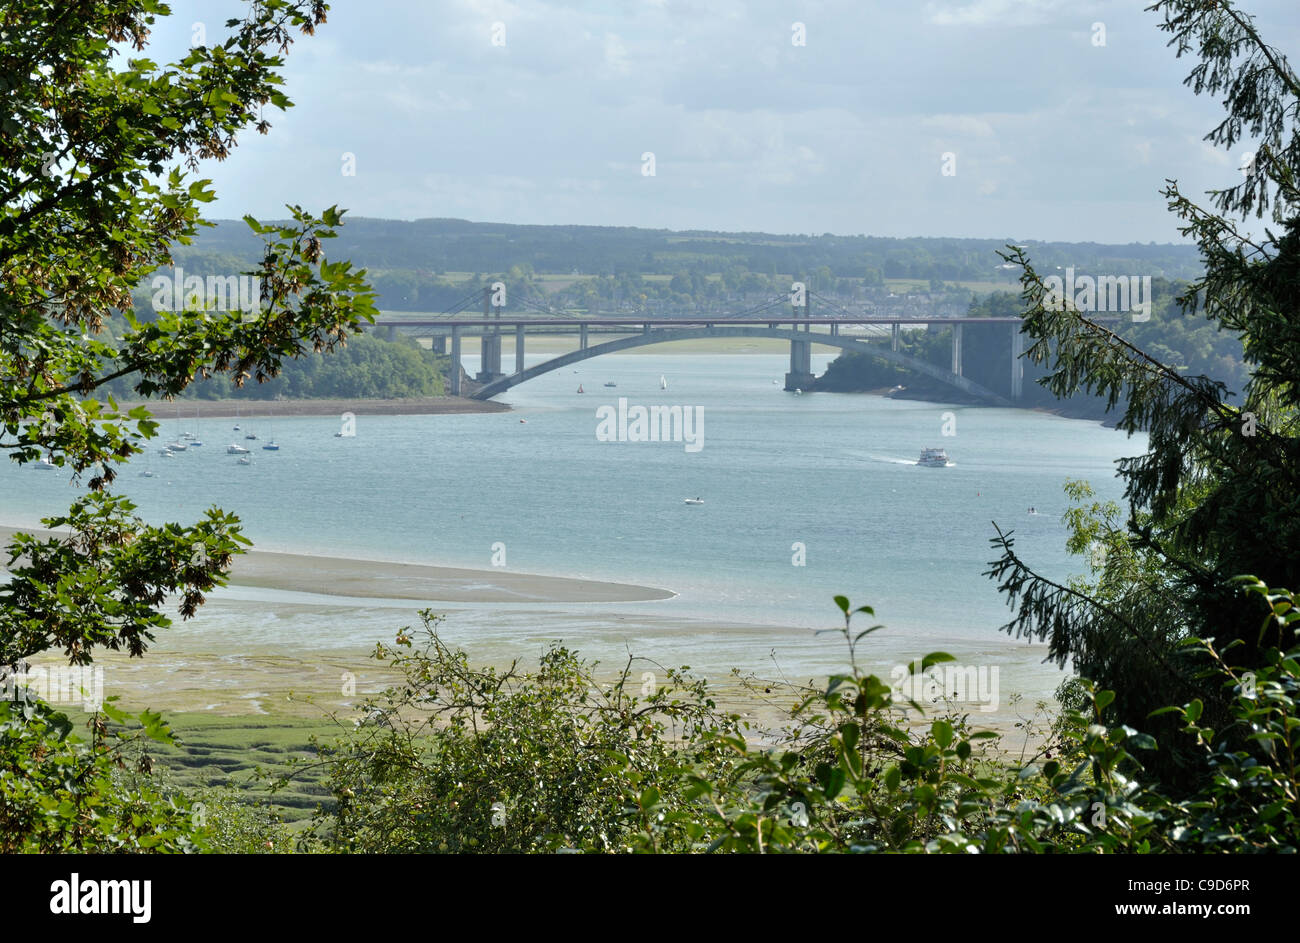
453	366
519	348
956	349
895	330
439	344
582	337
490	367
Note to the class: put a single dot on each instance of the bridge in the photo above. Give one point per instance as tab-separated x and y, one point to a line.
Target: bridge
802	329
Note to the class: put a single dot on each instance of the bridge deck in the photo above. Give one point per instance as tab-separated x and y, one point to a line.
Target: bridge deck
678	322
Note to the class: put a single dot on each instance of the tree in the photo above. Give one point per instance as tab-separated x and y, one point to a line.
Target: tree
88	209
1217	494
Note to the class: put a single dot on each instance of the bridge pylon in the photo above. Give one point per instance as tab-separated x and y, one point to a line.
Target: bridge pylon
801	376
490	359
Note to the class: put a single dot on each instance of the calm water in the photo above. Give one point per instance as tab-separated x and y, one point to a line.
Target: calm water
832	472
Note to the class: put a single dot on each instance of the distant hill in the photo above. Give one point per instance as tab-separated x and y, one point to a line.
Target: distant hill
459	246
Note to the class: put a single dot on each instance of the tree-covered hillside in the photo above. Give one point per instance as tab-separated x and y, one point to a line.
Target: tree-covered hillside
431	264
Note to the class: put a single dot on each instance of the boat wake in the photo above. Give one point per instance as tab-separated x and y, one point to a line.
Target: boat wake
887	459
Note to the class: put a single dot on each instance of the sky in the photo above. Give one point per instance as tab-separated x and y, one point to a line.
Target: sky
1023	119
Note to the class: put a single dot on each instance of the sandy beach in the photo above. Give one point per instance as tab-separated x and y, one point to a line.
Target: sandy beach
334	576
375	579
247	409
279	638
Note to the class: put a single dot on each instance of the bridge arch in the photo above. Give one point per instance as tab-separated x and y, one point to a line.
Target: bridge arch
668	335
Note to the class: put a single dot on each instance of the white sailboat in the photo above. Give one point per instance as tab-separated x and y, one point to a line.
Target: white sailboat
272	446
178	444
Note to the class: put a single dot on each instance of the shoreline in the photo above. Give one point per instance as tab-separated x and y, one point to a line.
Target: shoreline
1064	411
266	659
378	579
251	409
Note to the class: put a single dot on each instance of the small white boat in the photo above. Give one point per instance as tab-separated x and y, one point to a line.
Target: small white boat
233	449
177	446
694	501
250	436
44	464
146	474
798	392
933	458
245	460
166	453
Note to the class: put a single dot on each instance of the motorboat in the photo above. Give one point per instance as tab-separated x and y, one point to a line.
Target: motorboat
933	458
611	383
245	460
694	501
44	464
177	446
250	436
271	447
233	449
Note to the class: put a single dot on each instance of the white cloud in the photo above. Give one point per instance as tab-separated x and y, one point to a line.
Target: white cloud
990	12
968	125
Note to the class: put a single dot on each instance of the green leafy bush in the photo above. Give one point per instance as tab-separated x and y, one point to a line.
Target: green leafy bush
465	759
62	793
459	758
